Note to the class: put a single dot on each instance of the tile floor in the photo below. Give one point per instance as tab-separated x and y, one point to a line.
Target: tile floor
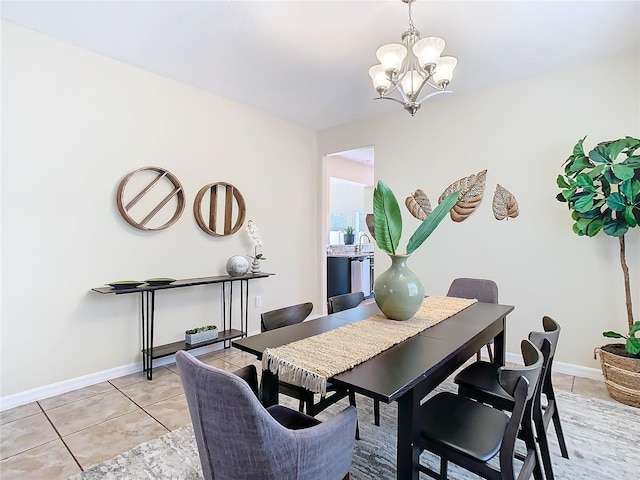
60	436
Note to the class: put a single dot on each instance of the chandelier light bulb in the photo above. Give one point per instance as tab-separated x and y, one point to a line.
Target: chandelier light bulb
428	51
411	83
444	71
391	57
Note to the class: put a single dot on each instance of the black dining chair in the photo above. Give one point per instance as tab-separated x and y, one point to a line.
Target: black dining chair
479	288
478	381
470	434
338	303
291	315
346	301
240	439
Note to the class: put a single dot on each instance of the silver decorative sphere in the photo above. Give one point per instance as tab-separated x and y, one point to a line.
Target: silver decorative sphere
237	266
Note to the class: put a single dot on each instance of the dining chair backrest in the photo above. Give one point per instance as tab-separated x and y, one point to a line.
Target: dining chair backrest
533	361
482	289
283	317
338	303
238	438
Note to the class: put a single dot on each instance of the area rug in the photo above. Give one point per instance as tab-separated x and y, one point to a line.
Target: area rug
602	438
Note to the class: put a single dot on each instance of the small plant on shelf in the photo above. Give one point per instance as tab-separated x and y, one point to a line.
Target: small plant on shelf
201	334
201	329
349	230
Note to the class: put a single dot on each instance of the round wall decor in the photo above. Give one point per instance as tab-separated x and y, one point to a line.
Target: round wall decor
226	202
156	188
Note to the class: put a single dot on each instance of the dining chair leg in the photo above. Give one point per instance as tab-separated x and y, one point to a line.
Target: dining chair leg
541	436
490	351
529	439
376	412
551	403
301	405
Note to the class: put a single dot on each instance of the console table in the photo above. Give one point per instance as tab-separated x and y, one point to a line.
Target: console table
147	309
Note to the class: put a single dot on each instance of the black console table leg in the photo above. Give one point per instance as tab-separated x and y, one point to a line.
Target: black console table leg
147	301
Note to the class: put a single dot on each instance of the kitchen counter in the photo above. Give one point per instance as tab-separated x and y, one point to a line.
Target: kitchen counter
351	255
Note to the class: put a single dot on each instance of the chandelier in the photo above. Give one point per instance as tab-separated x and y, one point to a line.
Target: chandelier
407	67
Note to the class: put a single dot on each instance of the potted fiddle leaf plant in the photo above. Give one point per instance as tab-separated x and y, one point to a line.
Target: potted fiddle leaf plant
398	292
602	190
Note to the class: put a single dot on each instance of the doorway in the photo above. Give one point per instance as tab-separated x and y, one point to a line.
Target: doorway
349	182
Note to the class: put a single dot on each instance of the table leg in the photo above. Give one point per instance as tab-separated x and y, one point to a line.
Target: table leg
269	391
408	453
499	344
147	302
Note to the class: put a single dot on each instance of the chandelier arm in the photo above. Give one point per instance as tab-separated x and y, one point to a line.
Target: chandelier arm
433	85
433	94
390	98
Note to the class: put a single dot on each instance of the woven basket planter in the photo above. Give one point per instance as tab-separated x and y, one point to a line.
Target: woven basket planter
622	377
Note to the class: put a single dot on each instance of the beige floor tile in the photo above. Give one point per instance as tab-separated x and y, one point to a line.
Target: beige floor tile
76	416
75	395
137	377
19	412
51	461
108	439
24	434
172	413
218	362
162	387
562	381
238	358
591	388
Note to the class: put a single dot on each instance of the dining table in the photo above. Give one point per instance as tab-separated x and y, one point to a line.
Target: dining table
404	373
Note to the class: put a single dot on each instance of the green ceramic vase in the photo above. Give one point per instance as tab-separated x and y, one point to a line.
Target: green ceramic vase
398	291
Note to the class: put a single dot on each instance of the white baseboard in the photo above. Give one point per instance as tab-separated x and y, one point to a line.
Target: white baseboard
566	368
40	393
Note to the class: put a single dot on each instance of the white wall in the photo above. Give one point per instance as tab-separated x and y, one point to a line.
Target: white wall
521	133
73	125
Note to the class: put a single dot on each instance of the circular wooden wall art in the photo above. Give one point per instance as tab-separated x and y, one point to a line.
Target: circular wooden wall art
225	204
156	189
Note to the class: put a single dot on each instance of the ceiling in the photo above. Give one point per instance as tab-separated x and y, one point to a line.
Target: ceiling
307	61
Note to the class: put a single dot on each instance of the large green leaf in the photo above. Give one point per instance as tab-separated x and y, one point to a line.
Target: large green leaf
632	161
562	182
630	189
635	328
598	156
585	181
594	227
614	148
633	345
629	217
387	217
610	334
623	172
431	222
580	163
578	149
615	227
616	202
584	203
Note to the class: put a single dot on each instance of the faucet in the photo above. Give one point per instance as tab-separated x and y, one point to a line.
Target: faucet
359	249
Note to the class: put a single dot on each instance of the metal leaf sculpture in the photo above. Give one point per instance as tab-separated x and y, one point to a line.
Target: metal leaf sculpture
471	192
371	224
504	204
419	205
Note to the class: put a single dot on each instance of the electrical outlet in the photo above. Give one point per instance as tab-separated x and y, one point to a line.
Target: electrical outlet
258	301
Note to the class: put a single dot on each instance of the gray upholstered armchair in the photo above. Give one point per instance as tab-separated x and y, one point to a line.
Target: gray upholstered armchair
238	438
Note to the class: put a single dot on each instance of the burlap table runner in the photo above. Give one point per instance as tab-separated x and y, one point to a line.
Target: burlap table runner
311	361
